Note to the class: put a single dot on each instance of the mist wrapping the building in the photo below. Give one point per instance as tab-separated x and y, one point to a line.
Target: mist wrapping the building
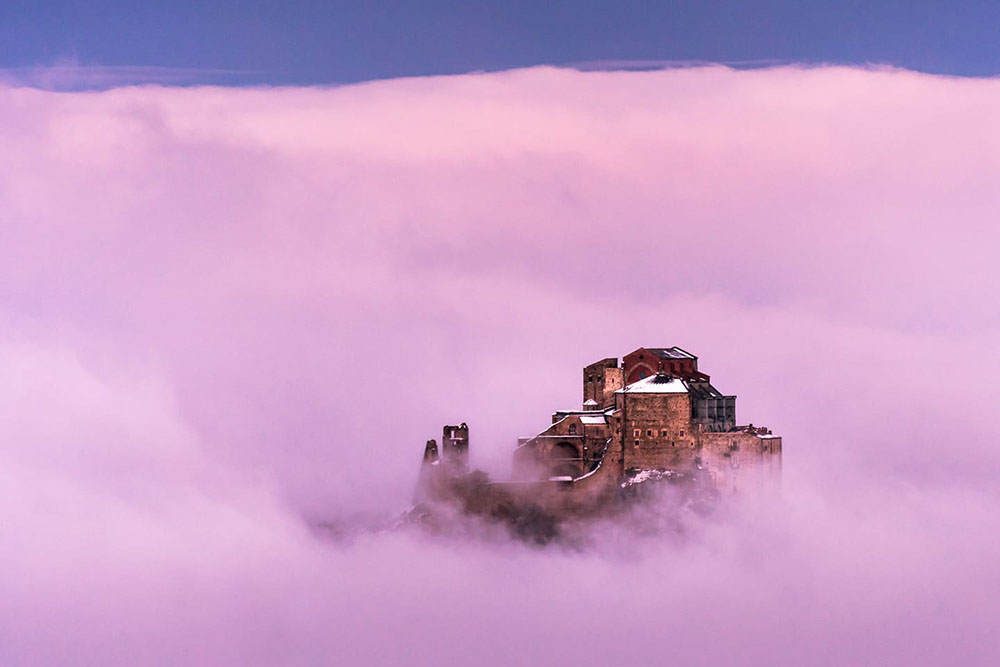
234	315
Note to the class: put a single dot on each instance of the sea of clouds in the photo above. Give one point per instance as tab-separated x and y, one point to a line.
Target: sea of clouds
229	315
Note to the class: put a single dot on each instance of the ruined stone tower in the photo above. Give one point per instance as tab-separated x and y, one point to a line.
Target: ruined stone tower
455	447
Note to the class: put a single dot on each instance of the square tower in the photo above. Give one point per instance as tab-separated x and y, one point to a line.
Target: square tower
601	380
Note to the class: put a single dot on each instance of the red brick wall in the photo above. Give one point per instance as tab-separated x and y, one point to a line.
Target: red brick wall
642	360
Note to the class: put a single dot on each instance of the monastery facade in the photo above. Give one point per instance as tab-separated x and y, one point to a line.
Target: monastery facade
650	414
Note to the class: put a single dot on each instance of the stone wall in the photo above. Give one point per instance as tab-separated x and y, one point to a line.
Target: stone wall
657	431
601	379
741	461
455	446
548	453
613	381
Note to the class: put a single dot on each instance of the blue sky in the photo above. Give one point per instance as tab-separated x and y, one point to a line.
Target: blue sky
258	41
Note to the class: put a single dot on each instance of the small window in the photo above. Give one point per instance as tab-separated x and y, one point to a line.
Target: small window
672	443
663	432
682	434
649	433
636	432
636	444
572	429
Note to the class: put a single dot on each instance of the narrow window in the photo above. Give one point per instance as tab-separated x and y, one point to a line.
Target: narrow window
682	434
649	433
636	432
572	429
636	444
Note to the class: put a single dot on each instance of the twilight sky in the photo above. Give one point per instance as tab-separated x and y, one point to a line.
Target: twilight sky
307	42
228	313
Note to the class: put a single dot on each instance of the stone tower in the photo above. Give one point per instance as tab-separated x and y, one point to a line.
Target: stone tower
455	447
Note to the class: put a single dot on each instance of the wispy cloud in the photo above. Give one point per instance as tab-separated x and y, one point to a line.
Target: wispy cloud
662	64
69	75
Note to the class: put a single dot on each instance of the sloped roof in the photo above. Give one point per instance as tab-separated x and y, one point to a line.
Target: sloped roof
671	353
593	419
656	384
705	390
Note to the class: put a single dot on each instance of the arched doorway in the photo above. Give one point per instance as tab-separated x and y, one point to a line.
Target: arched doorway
564	460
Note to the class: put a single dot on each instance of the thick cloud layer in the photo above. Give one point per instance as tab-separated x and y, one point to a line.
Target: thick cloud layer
228	314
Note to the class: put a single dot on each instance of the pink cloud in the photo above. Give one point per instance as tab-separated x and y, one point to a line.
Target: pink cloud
228	312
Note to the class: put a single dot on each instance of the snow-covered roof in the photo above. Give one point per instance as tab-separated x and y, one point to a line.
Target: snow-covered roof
590	401
592	419
671	352
656	384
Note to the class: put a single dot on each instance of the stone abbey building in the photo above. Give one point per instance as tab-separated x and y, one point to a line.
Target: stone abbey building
652	414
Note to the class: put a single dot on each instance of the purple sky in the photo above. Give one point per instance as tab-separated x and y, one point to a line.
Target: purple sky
240	42
227	312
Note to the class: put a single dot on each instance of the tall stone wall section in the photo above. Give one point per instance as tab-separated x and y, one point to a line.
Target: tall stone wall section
741	461
600	381
657	431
